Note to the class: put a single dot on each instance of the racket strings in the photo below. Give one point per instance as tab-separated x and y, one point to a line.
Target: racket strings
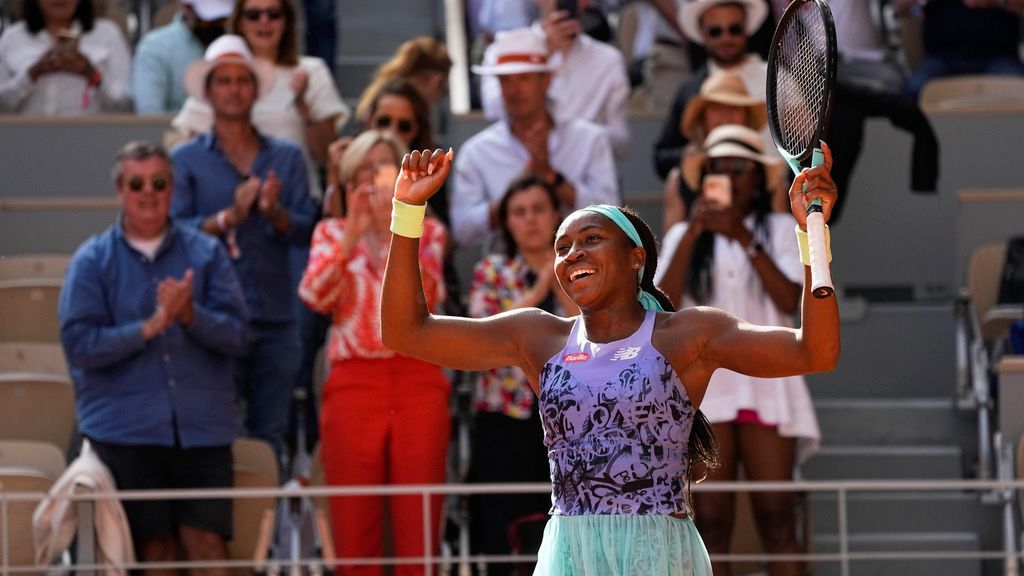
801	80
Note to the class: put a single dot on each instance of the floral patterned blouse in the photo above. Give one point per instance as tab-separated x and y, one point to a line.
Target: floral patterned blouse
349	288
498	283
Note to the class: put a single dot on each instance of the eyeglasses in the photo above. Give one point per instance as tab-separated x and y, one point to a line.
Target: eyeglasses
254	14
401	125
732	166
732	30
157	183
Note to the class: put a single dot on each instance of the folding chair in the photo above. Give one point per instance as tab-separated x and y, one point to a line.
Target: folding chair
37	357
37	407
23	267
29	310
255	466
972	94
18	531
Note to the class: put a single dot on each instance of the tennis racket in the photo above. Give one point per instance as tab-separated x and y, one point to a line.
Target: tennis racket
801	74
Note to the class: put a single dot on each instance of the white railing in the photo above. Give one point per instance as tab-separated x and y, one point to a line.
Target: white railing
844	556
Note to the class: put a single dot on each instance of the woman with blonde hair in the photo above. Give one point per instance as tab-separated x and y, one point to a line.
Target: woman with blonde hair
423	61
384	416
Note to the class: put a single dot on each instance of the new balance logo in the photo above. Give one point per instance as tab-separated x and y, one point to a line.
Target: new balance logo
626	353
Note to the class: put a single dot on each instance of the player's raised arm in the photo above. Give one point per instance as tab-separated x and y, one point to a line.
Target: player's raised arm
407	326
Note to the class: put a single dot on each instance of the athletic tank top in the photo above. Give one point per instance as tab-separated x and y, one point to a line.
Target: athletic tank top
617	426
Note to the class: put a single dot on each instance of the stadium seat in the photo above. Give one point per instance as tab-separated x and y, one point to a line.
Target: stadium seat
18	530
37	407
29	310
255	467
24	267
42	456
973	94
37	357
983	274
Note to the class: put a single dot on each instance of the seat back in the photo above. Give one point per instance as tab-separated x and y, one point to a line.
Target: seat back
983	273
37	357
42	456
37	407
255	466
29	310
23	267
18	534
973	94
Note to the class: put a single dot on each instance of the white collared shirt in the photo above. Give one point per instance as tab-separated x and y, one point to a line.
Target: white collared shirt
63	94
490	160
589	82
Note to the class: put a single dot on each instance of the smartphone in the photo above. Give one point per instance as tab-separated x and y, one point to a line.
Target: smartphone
717	188
572	7
385	177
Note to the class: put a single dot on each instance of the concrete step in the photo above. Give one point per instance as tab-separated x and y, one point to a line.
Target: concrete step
887	422
884	462
886	512
907	542
893	351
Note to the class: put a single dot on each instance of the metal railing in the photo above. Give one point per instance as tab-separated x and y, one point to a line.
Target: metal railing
1006	489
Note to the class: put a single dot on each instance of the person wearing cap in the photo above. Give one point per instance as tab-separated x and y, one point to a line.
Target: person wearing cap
588	81
723	27
735	254
723	99
570	154
250	190
164	54
151	317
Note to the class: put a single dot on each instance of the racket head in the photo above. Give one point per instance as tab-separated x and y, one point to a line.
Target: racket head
801	76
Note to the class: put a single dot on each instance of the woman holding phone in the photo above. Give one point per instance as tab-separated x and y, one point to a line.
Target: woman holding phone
384	416
734	253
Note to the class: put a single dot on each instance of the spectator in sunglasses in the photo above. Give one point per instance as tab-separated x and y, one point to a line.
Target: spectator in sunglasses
163	55
303	106
152	316
723	28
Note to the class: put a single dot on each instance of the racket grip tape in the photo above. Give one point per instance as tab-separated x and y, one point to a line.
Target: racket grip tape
821	276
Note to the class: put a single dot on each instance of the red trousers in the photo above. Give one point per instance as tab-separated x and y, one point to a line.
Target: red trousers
384	422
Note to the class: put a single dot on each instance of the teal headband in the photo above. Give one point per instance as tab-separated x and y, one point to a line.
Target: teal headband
647	300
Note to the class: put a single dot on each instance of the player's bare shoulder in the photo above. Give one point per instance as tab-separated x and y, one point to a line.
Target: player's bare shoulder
541	334
682	335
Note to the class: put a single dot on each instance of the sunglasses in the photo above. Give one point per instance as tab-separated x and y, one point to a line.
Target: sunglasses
732	166
402	126
254	14
157	183
731	30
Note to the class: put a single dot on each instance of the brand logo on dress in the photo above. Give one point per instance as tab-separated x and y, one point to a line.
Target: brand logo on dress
626	353
576	357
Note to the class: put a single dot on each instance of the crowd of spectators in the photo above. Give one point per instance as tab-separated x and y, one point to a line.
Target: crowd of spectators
241	284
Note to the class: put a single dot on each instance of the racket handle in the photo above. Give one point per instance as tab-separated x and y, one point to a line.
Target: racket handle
821	277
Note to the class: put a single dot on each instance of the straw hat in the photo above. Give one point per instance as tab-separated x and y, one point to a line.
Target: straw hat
516	52
209	10
721	88
689	16
731	141
227	49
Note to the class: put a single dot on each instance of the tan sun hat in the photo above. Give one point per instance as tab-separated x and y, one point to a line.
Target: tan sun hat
516	52
227	49
731	141
689	16
721	88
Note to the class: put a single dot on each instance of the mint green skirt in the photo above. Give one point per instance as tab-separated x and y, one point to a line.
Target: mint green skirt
622	546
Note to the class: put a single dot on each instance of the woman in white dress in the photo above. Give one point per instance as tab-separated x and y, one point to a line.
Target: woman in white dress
63	61
735	254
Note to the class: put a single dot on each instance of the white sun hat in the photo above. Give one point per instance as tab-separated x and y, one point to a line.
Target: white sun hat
209	10
515	52
689	16
228	49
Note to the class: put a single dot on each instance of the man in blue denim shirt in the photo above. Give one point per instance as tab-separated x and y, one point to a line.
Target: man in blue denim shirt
151	314
251	191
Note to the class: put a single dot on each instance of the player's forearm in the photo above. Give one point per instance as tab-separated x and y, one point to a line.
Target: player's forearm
403	308
820	328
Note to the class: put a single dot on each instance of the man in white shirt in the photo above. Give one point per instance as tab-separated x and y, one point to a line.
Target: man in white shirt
588	80
723	27
570	154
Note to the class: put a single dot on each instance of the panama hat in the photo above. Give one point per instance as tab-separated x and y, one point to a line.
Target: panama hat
731	141
721	88
228	49
689	16
209	10
515	52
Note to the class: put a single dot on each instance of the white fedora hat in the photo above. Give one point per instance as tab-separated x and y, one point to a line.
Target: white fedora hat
689	16
208	10
731	141
515	52
228	49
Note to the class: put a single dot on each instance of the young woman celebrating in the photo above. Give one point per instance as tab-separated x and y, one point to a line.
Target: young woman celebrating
619	386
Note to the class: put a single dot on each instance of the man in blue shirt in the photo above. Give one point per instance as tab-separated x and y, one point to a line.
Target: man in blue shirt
151	314
163	55
251	191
